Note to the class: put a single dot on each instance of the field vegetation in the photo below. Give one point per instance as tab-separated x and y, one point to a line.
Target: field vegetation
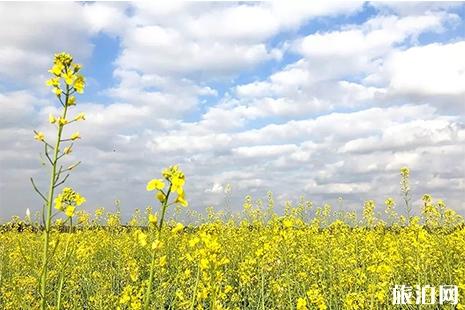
306	257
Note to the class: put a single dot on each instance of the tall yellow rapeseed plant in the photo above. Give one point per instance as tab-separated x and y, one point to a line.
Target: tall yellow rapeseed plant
65	82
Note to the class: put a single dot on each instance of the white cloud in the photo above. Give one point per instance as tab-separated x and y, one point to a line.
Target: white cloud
434	69
106	17
216	188
371	39
32	32
259	151
409	135
362	48
215	38
338	188
405	8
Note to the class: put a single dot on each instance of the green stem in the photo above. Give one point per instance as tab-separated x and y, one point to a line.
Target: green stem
43	279
152	263
194	295
62	272
262	291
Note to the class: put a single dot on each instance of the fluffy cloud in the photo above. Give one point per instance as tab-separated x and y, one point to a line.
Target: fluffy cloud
32	32
434	69
215	38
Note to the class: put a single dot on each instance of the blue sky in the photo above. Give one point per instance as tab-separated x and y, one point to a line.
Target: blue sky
324	100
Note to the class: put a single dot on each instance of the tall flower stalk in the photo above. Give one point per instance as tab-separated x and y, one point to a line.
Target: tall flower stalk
175	179
405	188
65	82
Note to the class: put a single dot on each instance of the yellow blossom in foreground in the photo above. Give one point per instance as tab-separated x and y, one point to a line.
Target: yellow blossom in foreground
155	184
69	77
181	200
57	68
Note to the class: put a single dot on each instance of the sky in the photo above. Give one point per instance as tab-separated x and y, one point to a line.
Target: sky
314	99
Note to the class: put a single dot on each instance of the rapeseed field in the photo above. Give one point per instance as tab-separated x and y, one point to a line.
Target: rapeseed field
307	257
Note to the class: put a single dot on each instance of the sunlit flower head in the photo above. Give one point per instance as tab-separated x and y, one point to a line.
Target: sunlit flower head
39	136
405	172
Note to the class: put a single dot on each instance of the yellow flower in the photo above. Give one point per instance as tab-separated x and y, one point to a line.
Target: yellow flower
193	242
51	118
181	200
153	219
53	82
405	171
177	228
161	197
80	117
155	184
75	136
69	211
99	212
62	121
71	100
301	304
57	91
57	68
79	200
79	84
177	181
39	136
58	204
157	244
69	77
389	202
287	223
162	261
63	58
67	150
142	238
76	67
204	263
426	198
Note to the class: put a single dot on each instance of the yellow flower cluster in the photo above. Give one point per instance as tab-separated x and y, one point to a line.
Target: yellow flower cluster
65	71
67	201
175	177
